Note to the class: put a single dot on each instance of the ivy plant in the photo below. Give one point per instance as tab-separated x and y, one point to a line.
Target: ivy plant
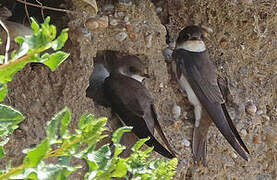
31	49
103	163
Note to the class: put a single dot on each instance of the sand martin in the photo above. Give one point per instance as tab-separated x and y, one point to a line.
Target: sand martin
196	75
132	102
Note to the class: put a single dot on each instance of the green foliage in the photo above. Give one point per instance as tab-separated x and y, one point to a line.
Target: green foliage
43	38
9	120
31	47
104	164
3	91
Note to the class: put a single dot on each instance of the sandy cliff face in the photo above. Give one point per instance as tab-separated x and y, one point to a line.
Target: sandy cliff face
243	47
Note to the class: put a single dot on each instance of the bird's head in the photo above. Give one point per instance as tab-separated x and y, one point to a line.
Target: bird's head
131	66
191	38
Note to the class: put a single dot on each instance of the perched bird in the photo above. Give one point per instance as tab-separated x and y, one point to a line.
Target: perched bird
132	102
196	75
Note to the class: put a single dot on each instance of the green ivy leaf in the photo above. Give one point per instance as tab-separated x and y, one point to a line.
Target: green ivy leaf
165	170
64	133
34	156
3	91
7	73
119	132
102	164
34	26
9	115
121	169
31	46
63	175
84	120
95	127
100	157
59	42
55	59
2	152
61	120
138	145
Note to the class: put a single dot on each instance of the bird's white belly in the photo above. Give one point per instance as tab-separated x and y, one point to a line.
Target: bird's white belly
185	86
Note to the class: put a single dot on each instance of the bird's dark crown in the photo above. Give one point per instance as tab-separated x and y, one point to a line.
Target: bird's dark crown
129	65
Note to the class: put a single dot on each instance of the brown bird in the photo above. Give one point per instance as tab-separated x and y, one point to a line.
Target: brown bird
196	75
132	102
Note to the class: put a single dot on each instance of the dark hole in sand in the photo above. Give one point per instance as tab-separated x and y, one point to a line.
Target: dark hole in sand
101	70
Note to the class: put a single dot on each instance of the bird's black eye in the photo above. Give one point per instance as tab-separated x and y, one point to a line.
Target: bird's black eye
132	69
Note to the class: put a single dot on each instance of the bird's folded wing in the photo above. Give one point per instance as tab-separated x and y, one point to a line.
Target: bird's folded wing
202	78
133	97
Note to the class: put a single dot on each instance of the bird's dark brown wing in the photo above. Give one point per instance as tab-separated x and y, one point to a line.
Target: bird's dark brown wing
204	73
201	75
131	95
132	102
223	85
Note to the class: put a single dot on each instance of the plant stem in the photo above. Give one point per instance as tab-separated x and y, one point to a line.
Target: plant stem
12	172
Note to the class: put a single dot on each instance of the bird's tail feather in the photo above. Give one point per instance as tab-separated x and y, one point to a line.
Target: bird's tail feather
199	144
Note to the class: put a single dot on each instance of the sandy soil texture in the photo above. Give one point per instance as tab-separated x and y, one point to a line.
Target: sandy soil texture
243	47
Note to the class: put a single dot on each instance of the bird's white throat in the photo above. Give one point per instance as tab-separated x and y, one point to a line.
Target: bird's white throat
137	77
133	76
192	45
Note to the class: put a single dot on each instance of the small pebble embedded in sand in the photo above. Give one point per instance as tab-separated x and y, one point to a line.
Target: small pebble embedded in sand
126	19
133	36
234	155
161	85
223	43
251	108
148	40
97	23
159	9
260	112
119	14
265	117
256	140
186	142
176	111
114	22
121	36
